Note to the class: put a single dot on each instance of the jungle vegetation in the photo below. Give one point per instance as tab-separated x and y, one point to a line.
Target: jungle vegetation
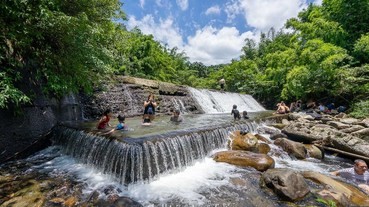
55	47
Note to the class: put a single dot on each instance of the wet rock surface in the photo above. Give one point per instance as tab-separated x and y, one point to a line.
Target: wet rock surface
127	95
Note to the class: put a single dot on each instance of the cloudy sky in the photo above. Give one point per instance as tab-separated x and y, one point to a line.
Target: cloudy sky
210	31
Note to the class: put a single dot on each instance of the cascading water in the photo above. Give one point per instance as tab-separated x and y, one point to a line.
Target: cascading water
136	160
222	102
178	104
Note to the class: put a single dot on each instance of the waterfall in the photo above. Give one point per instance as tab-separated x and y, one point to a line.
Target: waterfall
222	102
135	160
178	104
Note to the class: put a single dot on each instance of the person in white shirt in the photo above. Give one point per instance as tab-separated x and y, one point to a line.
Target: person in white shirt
357	174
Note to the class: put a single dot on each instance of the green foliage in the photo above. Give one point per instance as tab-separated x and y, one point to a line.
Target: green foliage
58	46
361	49
9	94
328	203
360	109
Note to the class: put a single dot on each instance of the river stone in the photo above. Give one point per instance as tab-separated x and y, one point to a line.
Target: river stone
286	183
361	133
314	152
263	148
349	121
295	149
353	128
262	138
243	142
356	197
285	122
338	125
260	162
277	135
339	198
364	122
268	130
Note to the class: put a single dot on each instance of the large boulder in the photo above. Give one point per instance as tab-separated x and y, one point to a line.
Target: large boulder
328	136
313	151
355	196
292	148
243	141
258	161
286	183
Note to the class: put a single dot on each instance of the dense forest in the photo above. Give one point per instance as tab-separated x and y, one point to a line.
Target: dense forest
67	46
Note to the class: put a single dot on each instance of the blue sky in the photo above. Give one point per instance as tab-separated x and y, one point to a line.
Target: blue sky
209	31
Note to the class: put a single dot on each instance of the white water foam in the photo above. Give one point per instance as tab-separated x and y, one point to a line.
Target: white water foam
184	185
222	102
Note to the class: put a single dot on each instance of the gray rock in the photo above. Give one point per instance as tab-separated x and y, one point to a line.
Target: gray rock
286	183
338	125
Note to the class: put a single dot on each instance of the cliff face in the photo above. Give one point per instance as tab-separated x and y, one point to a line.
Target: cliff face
127	94
21	135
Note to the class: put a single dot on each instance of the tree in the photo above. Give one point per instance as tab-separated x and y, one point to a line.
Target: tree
56	46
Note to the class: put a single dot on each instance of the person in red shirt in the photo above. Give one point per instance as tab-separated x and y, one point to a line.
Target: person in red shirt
104	121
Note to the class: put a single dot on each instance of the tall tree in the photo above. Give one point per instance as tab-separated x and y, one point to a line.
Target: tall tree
57	46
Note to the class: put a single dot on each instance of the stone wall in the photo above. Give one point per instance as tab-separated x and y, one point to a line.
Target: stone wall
21	135
127	94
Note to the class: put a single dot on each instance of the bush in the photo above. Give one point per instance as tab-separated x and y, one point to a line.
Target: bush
360	109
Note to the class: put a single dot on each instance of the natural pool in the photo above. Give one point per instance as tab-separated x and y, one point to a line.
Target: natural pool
162	124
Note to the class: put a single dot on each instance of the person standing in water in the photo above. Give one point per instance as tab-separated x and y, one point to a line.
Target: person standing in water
149	106
236	113
222	83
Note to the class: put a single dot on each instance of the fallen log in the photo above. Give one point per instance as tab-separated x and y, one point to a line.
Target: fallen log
348	154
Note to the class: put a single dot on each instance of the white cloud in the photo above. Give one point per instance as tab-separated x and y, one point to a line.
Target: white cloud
209	45
164	31
213	46
264	14
183	4
232	9
142	3
213	10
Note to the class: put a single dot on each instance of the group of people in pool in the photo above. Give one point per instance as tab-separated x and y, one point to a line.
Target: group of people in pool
148	116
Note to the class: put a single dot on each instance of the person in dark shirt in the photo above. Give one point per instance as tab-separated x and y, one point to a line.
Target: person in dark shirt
235	113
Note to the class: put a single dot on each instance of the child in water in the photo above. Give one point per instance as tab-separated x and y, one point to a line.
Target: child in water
120	126
244	115
236	113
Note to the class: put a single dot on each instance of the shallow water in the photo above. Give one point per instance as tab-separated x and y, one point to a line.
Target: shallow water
162	124
203	183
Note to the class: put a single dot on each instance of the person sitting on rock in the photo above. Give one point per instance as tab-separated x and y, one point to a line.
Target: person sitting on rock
357	174
282	108
235	113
